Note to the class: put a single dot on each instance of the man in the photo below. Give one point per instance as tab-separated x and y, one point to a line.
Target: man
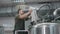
20	20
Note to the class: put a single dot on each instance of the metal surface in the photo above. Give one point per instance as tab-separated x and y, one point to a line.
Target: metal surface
21	31
56	12
41	13
46	28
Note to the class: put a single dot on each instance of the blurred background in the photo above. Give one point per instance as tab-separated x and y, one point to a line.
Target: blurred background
8	11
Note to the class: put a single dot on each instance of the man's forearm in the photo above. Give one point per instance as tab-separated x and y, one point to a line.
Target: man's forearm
24	15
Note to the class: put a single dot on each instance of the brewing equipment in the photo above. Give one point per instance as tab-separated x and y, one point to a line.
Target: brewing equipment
46	25
46	28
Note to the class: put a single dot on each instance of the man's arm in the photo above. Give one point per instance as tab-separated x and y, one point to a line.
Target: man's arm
23	16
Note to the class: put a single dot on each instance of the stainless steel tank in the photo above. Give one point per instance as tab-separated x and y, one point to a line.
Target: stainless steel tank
46	28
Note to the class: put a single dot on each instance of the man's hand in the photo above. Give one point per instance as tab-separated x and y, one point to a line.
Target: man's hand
30	11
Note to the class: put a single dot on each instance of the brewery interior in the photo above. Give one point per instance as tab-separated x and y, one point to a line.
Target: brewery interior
45	16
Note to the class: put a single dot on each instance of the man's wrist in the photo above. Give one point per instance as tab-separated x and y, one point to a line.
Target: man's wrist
28	13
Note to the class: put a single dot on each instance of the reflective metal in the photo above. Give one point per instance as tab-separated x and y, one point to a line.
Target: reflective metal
45	28
56	12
